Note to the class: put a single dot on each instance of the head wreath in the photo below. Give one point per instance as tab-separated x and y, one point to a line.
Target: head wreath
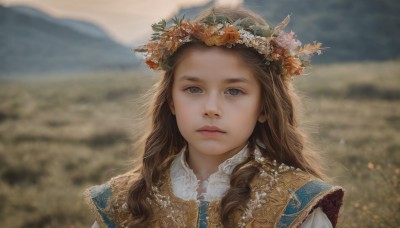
274	44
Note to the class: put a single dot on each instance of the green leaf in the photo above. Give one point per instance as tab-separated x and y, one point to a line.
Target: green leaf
238	22
178	21
155	36
160	26
245	23
263	31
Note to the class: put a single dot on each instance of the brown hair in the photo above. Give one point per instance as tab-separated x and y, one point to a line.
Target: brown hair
279	138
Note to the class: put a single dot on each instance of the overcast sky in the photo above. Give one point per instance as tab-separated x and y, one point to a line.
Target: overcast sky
126	20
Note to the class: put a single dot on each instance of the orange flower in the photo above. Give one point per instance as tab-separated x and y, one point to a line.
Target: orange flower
214	40
299	71
231	35
292	65
152	64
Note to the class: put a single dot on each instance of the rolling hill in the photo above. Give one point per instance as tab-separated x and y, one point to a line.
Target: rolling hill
32	42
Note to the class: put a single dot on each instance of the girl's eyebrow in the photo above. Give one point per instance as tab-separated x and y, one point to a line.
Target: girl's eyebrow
189	78
236	80
227	81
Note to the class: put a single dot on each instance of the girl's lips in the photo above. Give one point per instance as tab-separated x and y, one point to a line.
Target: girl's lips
210	131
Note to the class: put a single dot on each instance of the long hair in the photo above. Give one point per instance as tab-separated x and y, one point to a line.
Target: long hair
278	138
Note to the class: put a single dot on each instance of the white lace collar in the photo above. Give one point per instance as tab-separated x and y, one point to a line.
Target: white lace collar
185	183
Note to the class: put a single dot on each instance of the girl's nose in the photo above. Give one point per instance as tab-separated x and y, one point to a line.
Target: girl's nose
212	107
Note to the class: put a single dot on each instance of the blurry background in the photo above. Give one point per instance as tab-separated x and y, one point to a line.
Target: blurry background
70	86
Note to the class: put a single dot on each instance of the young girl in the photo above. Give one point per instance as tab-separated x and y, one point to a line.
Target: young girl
224	148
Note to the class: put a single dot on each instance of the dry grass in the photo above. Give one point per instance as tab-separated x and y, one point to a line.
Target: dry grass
60	135
355	111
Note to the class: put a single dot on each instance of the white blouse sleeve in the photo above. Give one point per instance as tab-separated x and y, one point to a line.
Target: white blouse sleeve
95	225
317	219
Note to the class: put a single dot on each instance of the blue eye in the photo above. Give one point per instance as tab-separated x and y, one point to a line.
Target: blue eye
193	90
234	92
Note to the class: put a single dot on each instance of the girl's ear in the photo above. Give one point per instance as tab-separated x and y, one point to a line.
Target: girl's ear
171	106
262	118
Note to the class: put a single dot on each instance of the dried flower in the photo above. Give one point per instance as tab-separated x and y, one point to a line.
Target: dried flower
292	65
231	35
288	40
214	40
152	64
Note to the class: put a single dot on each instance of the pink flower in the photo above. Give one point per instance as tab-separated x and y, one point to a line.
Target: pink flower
288	40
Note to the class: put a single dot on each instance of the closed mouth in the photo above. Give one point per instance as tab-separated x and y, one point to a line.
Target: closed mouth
211	129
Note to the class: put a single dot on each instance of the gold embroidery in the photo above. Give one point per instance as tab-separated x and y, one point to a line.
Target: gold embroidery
176	212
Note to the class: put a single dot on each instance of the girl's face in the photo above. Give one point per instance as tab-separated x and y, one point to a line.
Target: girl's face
216	101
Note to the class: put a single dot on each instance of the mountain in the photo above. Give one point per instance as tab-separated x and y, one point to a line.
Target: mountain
357	30
32	42
81	26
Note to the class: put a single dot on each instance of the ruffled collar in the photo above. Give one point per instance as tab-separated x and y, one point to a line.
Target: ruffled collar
185	183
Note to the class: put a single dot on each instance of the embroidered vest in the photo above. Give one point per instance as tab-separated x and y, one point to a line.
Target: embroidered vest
280	197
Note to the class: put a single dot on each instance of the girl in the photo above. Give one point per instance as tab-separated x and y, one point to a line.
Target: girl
224	147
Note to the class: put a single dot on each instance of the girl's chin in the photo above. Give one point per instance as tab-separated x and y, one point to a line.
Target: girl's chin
215	150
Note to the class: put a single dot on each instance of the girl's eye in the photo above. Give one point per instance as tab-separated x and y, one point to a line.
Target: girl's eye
193	90
234	92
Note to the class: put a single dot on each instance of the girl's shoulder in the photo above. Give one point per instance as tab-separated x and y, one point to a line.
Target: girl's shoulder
294	193
108	201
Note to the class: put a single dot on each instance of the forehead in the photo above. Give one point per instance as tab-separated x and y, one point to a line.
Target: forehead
214	62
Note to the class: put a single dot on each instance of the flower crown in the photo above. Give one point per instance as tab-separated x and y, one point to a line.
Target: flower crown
273	43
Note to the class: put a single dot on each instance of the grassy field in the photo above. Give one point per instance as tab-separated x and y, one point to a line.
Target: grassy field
59	135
